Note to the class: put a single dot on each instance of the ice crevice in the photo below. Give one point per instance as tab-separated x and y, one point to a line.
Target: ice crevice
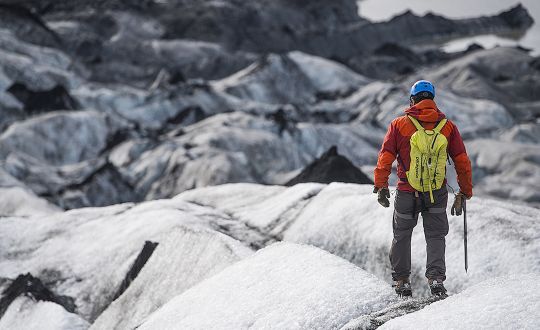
263	222
376	319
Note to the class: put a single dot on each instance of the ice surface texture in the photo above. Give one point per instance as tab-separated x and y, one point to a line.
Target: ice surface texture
25	313
86	253
510	302
184	258
283	286
346	220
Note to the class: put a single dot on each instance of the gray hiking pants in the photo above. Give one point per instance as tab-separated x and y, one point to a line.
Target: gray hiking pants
407	206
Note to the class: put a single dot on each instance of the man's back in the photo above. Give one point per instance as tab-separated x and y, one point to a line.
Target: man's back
414	135
397	145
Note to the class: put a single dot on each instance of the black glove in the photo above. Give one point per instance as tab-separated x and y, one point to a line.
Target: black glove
457	207
382	196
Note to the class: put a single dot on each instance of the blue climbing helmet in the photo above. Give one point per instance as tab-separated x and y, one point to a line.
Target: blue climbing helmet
422	86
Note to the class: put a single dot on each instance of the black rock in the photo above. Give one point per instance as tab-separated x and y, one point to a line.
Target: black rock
135	269
282	119
535	63
331	167
395	50
56	98
517	17
523	49
188	116
31	286
474	47
26	25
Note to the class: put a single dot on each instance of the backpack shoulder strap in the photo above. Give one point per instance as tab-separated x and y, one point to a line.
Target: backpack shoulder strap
441	124
415	123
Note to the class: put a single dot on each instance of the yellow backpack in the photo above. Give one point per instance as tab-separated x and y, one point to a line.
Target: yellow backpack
428	158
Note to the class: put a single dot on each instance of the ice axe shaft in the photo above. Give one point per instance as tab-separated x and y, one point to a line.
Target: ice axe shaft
465	233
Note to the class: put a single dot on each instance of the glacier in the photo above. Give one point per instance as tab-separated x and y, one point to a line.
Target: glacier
206	238
147	150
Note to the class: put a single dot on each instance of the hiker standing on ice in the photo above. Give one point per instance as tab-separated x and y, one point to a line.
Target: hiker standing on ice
421	140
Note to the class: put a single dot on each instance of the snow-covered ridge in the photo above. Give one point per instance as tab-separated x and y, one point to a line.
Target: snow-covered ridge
184	258
86	253
282	286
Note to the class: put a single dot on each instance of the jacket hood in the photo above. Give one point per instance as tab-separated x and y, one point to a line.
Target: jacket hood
426	111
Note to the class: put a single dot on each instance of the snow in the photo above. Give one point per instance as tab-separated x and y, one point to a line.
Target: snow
326	75
266	214
260	213
182	259
39	68
510	302
227	148
508	170
86	253
383	101
25	313
232	196
43	137
346	220
280	287
292	78
21	201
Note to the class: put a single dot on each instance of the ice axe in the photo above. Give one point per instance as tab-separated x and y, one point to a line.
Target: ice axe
465	233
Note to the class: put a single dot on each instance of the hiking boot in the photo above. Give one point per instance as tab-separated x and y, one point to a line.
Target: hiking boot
403	288
437	287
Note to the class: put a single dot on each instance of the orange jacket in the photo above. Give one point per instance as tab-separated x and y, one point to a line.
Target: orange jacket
397	145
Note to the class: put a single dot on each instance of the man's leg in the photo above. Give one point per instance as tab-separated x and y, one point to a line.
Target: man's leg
435	223
403	225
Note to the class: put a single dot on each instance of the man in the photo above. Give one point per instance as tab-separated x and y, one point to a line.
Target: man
426	136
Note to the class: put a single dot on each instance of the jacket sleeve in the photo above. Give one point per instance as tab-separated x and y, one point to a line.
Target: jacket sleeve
387	155
462	163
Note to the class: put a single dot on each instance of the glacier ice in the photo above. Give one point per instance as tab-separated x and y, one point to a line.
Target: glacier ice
182	259
282	286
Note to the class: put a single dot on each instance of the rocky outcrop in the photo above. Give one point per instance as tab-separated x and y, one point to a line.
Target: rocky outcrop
138	264
56	98
30	286
331	167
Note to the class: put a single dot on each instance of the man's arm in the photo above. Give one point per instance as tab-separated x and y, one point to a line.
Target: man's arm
462	163
387	155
